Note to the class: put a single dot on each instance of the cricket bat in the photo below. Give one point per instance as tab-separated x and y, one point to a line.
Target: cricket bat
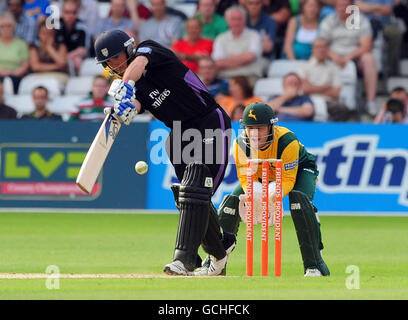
97	153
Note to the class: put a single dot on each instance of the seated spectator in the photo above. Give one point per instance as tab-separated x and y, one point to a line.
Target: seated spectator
322	77
238	51
6	112
193	47
37	9
264	24
213	24
292	104
117	20
302	31
74	34
40	99
91	108
279	10
392	111
237	113
13	51
26	27
49	57
207	72
88	13
379	12
161	27
240	93
346	44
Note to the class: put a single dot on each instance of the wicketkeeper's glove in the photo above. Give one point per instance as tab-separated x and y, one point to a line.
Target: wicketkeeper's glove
120	90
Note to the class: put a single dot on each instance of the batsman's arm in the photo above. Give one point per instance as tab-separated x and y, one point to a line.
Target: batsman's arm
136	68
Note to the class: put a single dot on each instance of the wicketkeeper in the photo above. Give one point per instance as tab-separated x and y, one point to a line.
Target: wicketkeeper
154	79
264	139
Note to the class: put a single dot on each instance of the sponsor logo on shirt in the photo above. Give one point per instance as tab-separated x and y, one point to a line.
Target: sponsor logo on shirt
144	50
158	97
291	165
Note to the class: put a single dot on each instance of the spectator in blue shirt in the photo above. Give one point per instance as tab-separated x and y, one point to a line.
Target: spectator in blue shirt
292	105
379	12
37	9
26	28
302	30
264	24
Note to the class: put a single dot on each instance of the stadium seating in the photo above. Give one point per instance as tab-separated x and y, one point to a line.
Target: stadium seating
63	105
79	85
279	68
404	67
320	108
28	83
265	87
89	67
22	103
393	82
8	88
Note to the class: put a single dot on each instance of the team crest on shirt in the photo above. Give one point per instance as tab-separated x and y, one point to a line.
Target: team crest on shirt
105	52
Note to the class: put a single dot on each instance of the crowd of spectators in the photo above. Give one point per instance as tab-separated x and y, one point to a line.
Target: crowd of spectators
230	44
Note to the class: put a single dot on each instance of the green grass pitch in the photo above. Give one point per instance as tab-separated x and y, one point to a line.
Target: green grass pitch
141	244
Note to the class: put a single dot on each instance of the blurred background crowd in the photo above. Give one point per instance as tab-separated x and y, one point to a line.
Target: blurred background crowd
311	60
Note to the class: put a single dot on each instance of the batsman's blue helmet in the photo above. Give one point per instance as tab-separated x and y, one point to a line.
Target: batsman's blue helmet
110	44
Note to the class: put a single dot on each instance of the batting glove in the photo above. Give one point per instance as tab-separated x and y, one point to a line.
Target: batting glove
120	90
125	110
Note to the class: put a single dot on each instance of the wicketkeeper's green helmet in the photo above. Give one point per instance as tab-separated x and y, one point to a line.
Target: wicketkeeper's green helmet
258	114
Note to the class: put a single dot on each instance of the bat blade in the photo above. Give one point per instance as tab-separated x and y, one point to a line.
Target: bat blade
97	153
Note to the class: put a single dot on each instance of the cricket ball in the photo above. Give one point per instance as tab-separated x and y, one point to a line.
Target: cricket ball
141	167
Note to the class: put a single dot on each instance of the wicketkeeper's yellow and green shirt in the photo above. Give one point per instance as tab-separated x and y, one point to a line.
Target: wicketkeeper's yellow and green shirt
285	146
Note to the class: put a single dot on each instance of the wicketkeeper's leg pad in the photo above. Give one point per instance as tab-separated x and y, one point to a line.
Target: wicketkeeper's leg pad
194	203
308	231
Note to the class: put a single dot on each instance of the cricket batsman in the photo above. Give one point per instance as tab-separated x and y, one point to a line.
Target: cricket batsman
152	78
264	139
